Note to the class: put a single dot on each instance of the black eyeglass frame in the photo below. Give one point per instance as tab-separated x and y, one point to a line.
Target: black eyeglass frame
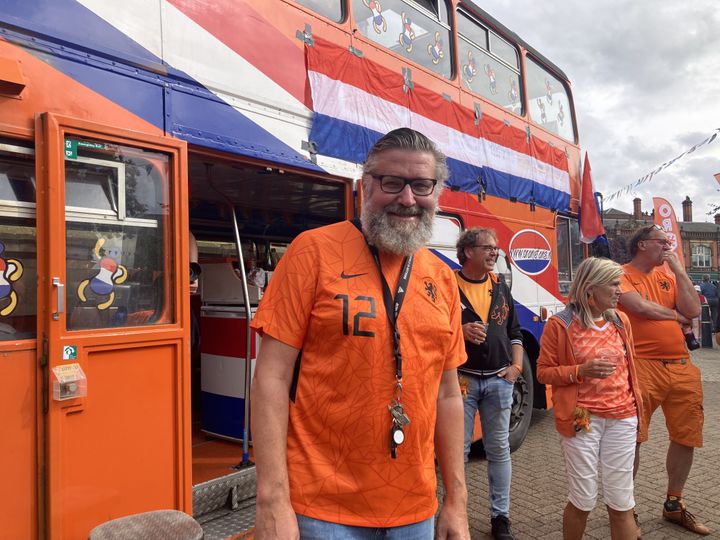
487	247
663	241
406	182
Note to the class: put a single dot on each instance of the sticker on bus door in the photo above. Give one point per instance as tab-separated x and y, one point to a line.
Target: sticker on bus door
69	352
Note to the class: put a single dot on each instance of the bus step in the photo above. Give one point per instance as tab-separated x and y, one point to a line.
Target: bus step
228	493
225	524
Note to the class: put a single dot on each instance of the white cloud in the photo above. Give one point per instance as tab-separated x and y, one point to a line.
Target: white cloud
645	77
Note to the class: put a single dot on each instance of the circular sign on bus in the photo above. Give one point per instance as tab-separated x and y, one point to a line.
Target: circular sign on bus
530	252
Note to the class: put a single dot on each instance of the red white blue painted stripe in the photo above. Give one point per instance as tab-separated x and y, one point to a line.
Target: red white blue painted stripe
355	102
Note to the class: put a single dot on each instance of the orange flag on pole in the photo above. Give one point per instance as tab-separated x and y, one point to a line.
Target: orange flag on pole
591	225
665	218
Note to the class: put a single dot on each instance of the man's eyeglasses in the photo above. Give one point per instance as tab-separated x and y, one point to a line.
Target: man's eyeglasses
649	229
421	187
663	241
488	248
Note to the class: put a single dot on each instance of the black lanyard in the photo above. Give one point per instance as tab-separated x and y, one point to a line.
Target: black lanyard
392	309
393	305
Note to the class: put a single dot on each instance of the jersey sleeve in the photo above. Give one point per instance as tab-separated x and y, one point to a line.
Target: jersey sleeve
626	285
284	311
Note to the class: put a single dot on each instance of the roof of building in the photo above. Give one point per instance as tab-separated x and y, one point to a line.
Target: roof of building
697	226
614	212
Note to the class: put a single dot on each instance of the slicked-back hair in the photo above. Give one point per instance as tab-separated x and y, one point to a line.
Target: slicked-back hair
638	236
470	237
409	139
592	271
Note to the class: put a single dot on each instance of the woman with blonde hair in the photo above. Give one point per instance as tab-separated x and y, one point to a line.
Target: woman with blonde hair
587	355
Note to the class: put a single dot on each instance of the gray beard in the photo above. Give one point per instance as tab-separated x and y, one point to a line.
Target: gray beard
397	238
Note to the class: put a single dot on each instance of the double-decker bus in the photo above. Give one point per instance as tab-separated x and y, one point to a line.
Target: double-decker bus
125	126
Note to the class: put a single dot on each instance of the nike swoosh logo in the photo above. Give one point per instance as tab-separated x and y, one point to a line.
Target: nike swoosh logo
343	275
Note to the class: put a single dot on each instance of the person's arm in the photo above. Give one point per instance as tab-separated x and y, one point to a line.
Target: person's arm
687	301
635	304
270	398
514	334
551	371
549	368
515	369
449	441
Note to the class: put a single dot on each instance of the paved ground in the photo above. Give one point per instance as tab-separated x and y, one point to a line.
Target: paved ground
539	492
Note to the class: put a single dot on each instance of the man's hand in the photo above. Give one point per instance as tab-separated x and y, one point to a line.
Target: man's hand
275	519
510	373
474	332
673	262
452	522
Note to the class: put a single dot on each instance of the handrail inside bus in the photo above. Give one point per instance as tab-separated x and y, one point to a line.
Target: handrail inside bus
248	317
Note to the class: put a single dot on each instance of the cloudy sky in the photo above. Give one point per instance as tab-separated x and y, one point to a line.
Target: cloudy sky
645	76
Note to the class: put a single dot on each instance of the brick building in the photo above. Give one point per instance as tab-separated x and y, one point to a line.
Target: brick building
700	240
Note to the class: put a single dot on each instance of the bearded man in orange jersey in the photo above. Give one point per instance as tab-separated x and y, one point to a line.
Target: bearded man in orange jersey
356	388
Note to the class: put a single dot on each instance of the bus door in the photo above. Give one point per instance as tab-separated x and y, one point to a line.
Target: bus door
18	323
113	316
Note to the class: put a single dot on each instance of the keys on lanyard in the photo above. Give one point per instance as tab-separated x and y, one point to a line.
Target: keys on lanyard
399	421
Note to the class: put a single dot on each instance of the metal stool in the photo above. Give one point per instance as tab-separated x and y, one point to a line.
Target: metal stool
157	525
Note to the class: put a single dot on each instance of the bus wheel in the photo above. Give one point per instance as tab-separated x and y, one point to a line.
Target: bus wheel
521	412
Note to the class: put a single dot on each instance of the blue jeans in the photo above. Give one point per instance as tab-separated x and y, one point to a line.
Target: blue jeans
315	529
492	396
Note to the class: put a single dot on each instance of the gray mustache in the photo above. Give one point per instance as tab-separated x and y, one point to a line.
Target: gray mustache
405	210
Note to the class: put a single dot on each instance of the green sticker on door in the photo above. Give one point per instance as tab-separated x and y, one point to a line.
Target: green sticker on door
69	352
71	147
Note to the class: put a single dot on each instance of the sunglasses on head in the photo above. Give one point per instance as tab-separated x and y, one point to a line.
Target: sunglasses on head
650	228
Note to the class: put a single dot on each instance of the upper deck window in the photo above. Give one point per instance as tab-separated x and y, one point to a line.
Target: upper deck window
416	29
489	65
549	101
332	9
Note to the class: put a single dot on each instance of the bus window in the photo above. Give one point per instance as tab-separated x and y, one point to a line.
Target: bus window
418	30
93	187
117	201
548	101
332	9
577	251
503	50
18	260
489	65
570	251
